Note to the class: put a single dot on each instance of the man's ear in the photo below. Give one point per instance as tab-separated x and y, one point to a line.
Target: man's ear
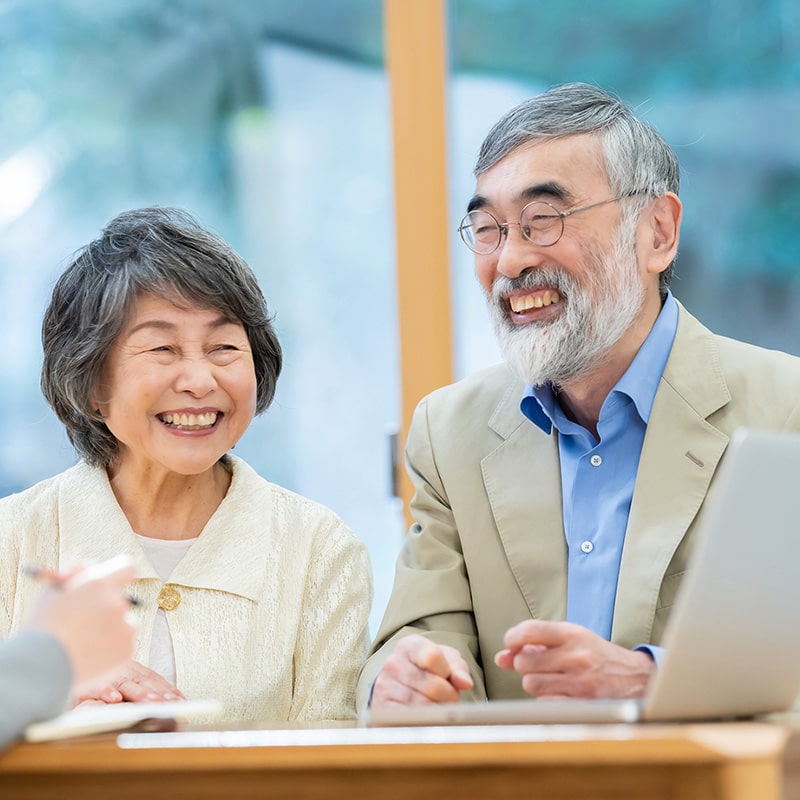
661	232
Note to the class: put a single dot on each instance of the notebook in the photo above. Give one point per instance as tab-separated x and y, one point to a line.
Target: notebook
732	644
101	718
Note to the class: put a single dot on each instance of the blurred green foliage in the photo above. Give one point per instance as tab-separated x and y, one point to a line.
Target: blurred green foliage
632	46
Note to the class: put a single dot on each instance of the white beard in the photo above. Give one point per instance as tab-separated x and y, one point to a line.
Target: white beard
595	317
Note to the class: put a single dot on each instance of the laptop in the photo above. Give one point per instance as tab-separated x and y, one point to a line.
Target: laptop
732	647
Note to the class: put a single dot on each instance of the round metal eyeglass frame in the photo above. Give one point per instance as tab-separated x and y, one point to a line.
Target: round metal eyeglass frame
492	230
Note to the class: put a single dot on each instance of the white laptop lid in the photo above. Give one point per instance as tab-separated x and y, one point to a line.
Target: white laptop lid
731	644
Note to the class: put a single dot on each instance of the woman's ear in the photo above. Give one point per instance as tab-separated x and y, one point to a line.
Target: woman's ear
662	232
97	403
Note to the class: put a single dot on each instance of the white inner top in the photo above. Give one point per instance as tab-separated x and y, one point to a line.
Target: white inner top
164	555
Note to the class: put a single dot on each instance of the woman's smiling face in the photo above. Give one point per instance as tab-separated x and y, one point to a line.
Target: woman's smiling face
179	387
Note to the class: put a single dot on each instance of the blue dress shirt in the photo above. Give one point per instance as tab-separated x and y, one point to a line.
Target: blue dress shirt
597	475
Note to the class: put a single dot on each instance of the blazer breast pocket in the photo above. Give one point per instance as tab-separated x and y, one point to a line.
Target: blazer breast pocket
669	589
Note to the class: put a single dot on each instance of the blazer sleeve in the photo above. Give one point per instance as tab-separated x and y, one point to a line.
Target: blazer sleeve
35	680
431	594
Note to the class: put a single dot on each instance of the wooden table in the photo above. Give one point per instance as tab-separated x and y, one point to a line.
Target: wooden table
735	761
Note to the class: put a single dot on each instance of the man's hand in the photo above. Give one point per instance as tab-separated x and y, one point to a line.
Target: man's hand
561	659
132	683
419	672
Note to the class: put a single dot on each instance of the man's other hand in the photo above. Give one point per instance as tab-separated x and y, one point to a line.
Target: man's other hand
561	659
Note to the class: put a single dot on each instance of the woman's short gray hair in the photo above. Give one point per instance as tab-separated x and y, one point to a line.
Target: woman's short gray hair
637	159
160	251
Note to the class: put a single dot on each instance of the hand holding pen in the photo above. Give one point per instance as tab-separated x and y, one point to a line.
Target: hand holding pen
58	579
87	611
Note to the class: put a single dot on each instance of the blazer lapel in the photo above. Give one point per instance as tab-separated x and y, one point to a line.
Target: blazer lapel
523	485
680	454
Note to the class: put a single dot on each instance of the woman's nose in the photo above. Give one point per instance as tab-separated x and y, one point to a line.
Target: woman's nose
196	376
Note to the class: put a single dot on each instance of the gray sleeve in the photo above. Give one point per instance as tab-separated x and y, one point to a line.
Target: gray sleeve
35	681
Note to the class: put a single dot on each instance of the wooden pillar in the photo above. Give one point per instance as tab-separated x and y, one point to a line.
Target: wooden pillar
416	59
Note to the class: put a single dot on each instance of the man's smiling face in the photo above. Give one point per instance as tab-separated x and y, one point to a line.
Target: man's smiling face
558	309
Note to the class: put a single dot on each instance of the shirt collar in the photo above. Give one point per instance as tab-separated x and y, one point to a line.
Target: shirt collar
640	381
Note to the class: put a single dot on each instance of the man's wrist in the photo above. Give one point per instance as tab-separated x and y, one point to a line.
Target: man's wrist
655	652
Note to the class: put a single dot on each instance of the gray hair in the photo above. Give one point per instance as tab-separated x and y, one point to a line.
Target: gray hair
637	160
150	250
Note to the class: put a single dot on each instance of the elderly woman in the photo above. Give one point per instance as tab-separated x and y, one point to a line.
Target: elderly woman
158	352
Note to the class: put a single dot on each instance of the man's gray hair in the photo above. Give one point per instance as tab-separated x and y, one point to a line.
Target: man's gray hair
637	159
160	251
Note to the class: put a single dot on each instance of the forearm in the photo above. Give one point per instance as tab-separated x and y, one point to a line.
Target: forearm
334	636
431	594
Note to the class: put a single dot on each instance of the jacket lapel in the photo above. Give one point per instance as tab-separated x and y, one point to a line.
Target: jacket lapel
680	454
91	525
523	485
98	530
234	552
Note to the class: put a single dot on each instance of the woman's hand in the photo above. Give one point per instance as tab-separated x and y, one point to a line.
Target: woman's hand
130	683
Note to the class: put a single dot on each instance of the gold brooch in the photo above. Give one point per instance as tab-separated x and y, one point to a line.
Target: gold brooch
169	598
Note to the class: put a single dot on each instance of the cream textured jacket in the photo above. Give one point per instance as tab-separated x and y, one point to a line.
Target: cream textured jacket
488	548
274	595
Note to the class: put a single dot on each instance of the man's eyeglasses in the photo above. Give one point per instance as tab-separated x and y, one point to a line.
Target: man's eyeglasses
541	224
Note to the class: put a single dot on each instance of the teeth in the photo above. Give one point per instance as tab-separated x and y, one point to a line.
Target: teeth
522	303
525	302
190	420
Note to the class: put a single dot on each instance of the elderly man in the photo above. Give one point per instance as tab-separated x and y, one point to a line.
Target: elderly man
557	496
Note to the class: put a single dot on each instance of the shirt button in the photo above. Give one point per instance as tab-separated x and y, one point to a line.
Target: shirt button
595	460
169	598
587	547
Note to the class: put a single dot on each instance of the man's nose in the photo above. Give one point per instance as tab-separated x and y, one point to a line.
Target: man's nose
515	253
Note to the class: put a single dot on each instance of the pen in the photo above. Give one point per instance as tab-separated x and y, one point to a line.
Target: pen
50	576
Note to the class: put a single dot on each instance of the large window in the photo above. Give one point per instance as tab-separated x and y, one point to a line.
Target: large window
263	122
270	122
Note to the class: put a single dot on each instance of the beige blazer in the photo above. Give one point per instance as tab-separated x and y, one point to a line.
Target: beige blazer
274	595
488	548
